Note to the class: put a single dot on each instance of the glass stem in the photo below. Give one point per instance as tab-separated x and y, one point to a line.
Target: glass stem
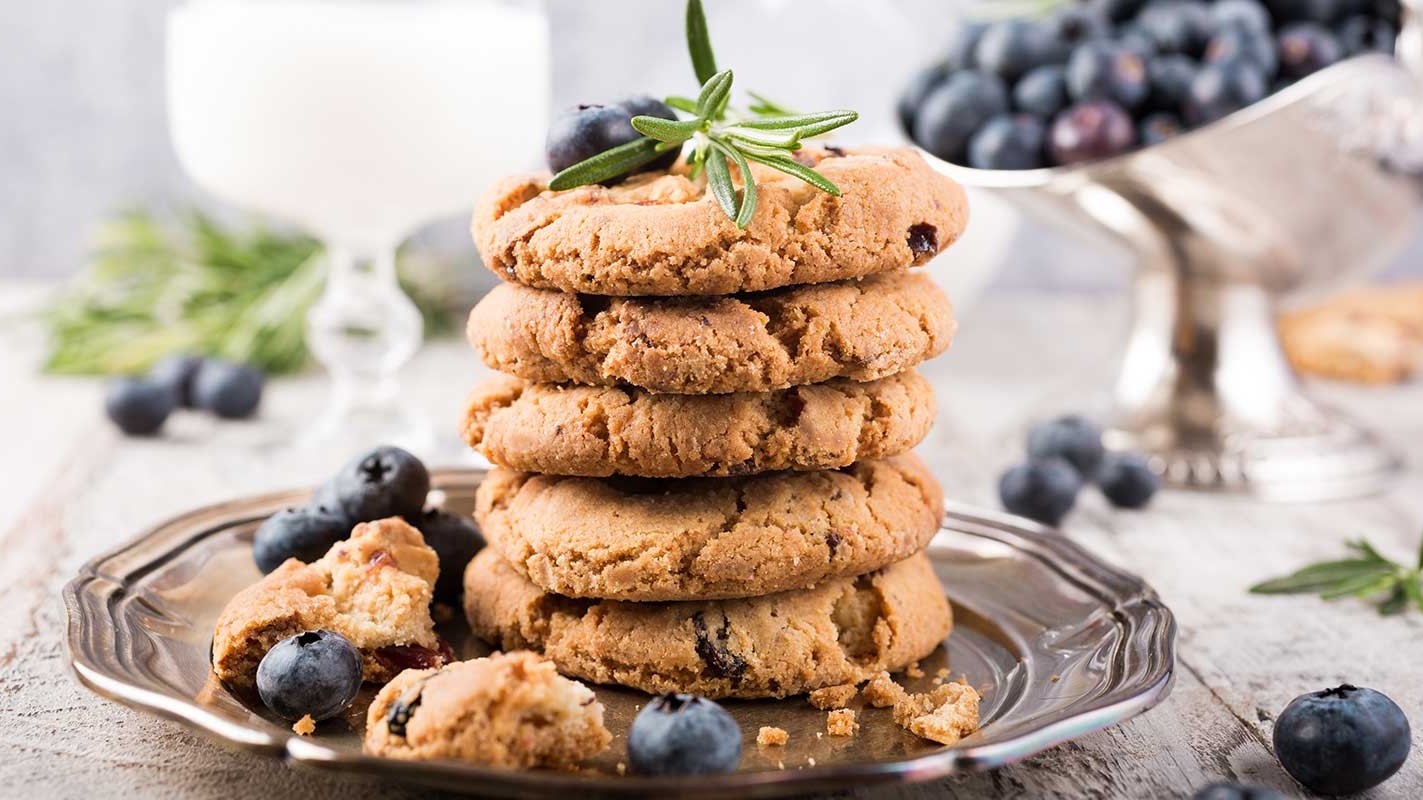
363	329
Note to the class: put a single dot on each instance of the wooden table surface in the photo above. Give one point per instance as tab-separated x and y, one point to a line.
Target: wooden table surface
72	488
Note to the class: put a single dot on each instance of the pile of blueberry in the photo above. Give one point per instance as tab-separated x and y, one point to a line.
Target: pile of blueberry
139	405
1063	454
319	672
1098	78
384	482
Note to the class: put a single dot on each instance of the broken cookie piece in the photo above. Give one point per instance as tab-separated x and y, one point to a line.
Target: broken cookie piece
508	710
841	722
772	737
373	588
945	715
833	696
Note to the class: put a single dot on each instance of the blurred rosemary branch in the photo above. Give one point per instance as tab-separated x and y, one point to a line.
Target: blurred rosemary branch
155	287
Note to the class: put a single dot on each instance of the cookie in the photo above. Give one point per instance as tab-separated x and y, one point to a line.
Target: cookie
860	330
508	710
708	538
841	631
1369	335
662	234
373	588
597	431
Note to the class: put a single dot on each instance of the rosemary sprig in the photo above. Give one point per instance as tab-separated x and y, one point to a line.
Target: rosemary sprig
1368	574
720	137
154	287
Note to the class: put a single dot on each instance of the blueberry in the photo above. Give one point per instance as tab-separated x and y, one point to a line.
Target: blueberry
316	673
1042	92
1010	48
1158	127
1177	26
683	734
1107	71
961	47
1364	34
920	85
139	406
177	372
586	130
1069	437
456	540
1089	131
1118	10
1319	11
647	106
301	533
1341	740
956	110
1305	48
1236	791
1043	491
231	391
1254	46
1126	480
1171	77
384	482
1247	14
1222	88
1070	28
1136	40
1008	141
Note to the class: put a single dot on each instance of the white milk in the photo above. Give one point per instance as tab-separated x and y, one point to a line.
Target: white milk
357	119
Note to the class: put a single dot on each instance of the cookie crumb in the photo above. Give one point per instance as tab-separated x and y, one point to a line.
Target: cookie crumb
942	673
1056	678
304	726
841	722
811	761
819	734
622	768
780	765
832	696
914	671
882	691
772	737
944	715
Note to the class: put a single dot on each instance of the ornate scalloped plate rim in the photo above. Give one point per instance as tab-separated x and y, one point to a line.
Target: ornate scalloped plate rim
1125	596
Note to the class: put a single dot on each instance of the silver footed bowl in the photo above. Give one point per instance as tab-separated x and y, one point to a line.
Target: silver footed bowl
1301	191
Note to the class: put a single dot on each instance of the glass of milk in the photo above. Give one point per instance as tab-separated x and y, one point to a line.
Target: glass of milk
359	120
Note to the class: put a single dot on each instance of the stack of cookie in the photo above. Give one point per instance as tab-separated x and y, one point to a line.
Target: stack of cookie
703	481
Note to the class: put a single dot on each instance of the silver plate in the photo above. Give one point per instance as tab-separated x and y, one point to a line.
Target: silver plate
1059	643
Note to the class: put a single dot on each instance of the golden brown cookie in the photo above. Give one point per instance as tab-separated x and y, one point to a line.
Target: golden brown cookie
508	710
373	588
860	330
843	630
1369	335
597	431
708	538
662	234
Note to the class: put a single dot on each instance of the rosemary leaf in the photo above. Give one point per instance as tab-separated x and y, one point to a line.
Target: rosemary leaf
714	95
797	120
607	164
699	42
719	182
666	130
795	168
748	191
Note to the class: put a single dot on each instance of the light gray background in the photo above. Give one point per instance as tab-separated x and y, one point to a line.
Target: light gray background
83	132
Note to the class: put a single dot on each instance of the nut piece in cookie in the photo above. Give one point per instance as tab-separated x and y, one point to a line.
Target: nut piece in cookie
373	588
508	710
